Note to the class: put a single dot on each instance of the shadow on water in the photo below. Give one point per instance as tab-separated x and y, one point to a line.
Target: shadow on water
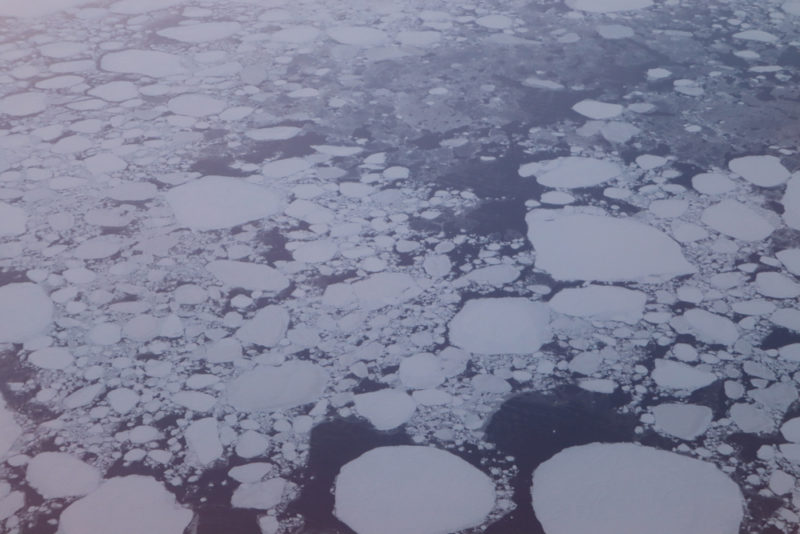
533	427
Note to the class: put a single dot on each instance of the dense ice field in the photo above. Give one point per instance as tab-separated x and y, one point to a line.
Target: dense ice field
399	267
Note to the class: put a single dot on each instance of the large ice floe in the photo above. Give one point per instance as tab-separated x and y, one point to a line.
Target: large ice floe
613	488
398	490
603	248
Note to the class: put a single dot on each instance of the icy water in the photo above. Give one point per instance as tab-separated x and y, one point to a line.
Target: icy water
409	267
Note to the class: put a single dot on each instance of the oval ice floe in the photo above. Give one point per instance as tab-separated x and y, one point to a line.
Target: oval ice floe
571	172
25	311
265	388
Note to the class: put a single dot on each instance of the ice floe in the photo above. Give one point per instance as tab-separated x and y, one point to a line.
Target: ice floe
266	328
612	488
248	275
791	203
9	429
13	220
385	409
571	172
684	421
195	105
265	388
403	489
734	219
763	171
23	104
56	474
25	311
151	63
358	35
501	325
597	110
201	33
601	303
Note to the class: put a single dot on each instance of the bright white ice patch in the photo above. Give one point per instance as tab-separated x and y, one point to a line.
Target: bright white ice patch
501	326
594	109
13	220
404	490
676	375
608	6
358	36
385	409
265	389
131	505
195	105
202	438
684	421
764	171
147	62
25	311
266	328
736	220
22	104
591	247
571	172
711	328
601	302
216	202
791	203
25	9
248	275
56	474
201	33
614	488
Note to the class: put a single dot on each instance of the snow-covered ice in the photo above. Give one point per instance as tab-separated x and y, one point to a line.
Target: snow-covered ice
621	487
57	474
501	325
22	104
266	328
202	32
670	374
25	311
248	275
763	171
571	172
601	303
266	388
684	421
597	110
608	6
404	489
202	438
195	105
734	219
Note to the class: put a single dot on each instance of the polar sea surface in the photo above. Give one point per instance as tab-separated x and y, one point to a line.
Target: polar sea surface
403	267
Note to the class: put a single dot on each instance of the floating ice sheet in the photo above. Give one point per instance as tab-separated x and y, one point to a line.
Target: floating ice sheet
501	325
571	172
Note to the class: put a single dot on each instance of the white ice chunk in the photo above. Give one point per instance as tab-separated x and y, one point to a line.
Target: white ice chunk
591	247
777	285
202	438
751	419
711	183
385	409
358	36
132	505
122	400
202	32
105	163
791	430
737	220
421	371
296	34
216	202
597	110
273	133
265	389
790	259
259	495
501	326
601	302
195	105
495	22
756	35
496	275
571	171
684	421
56	474
51	358
315	251
96	248
267	327
403	490
711	328
615	31
13	220
147	62
248	275
374	292
675	375
22	104
117	91
613	488
419	38
791	203
764	171
25	312
251	444
9	429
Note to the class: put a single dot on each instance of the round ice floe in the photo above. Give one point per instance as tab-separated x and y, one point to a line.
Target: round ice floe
756	35
711	183
296	34
736	220
117	91
248	275
597	110
267	327
216	202
13	220
571	172
96	248
133	192
777	285
591	247
385	409
105	163
614	488
764	171
711	328
790	259
608	6
264	389
200	33
56	474
135	7
601	302
419	490
195	105
51	358
147	62
132	505
501	326
684	421
421	371
791	203
358	35
22	104
202	438
25	311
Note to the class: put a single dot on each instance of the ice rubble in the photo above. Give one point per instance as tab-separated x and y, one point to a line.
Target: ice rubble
25	311
571	172
132	505
612	488
216	202
601	303
403	489
266	388
602	248
501	325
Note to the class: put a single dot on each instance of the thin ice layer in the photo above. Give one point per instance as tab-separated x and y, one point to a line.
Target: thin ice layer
615	488
592	247
419	490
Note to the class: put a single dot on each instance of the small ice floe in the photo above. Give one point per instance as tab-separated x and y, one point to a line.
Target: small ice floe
670	374
756	35
608	6
247	275
684	421
195	105
614	31
597	110
623	487
266	328
25	311
386	408
403	489
202	439
265	388
201	33
358	36
296	34
57	474
712	183
571	172
510	325
23	104
763	171
13	220
737	220
791	203
605	303
151	63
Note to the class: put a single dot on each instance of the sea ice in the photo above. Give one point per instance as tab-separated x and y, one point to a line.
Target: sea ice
495	22
202	438
420	371
756	35
40	8
9	429
105	163
259	495
147	62
135	7
265	388
597	110
13	220
22	104
405	489
132	505
676	375
777	285
216	202
296	34
571	171
711	328
736	220
202	32
385	409
763	171
751	418
608	6
273	133
791	430
117	91
614	31
790	258
358	36
592	247
246	275
25	312
374	292
711	183
56	474
612	488
601	302
195	105
51	358
509	325
791	203
267	327
684	421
